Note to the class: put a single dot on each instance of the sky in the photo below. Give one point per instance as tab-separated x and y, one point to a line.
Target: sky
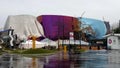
108	10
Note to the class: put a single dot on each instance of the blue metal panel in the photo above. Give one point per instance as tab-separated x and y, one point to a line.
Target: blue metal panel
98	26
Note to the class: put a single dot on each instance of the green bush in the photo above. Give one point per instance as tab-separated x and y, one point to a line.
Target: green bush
117	30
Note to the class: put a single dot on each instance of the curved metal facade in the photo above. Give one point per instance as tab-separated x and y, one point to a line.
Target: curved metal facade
98	26
58	27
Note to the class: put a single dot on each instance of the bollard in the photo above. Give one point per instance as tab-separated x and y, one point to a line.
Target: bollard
65	53
33	42
65	49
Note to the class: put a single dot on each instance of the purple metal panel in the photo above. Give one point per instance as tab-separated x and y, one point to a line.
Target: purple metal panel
56	26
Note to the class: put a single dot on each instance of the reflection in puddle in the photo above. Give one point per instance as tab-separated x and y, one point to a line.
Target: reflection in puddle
90	59
17	61
58	61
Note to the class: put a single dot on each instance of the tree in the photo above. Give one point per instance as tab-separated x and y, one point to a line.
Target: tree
117	30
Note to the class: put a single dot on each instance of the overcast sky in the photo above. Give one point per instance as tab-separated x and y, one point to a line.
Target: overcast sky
97	9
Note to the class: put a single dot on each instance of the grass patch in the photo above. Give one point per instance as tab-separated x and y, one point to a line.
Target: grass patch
33	51
79	50
37	51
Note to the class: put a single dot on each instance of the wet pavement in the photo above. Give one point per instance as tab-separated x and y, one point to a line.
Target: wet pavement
88	59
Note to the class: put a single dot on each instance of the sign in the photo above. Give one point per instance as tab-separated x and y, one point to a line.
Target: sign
110	41
71	36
